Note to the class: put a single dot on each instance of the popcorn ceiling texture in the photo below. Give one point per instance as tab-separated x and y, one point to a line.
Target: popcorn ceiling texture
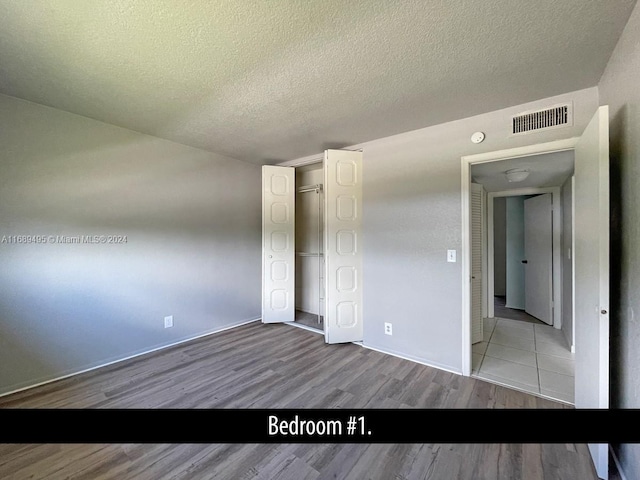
270	81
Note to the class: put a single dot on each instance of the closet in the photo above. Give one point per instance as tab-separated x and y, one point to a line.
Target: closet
312	245
309	261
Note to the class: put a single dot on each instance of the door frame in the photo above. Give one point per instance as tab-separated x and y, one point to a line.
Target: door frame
556	247
466	162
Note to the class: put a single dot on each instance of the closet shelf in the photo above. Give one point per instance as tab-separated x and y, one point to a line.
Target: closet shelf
310	188
309	254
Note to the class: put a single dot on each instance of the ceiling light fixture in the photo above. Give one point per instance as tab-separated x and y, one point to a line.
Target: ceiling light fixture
516	174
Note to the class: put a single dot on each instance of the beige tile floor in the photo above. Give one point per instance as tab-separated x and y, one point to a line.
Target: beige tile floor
533	358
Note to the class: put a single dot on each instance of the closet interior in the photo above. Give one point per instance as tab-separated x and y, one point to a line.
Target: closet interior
309	289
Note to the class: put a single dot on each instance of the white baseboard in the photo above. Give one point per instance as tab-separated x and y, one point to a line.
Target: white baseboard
129	357
617	462
411	359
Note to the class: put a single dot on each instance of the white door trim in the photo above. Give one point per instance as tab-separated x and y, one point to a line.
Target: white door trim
466	162
557	247
311	159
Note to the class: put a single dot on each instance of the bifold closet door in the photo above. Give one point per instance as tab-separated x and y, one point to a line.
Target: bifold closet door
343	246
278	244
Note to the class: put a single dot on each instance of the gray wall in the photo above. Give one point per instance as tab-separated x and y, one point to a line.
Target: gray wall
515	252
567	260
192	222
619	89
500	246
412	215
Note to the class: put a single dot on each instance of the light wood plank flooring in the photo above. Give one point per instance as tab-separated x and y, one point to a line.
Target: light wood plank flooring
278	366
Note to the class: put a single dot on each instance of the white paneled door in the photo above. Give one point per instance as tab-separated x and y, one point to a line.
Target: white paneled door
278	244
477	222
592	273
538	253
343	246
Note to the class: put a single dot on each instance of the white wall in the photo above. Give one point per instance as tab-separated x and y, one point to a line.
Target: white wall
499	246
567	262
412	215
619	89
192	223
515	252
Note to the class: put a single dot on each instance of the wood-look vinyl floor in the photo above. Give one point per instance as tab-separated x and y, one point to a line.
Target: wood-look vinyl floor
277	366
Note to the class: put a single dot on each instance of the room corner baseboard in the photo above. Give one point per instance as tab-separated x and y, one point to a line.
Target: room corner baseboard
129	357
616	460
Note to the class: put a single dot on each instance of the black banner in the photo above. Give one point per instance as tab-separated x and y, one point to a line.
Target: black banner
318	426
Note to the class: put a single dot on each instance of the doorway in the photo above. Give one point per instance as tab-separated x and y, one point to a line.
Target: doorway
590	261
525	234
520	347
511	261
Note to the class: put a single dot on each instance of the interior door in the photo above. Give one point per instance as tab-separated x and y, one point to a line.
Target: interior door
278	244
477	222
592	273
538	251
343	246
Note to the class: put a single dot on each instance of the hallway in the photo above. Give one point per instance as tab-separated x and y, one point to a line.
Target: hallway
500	310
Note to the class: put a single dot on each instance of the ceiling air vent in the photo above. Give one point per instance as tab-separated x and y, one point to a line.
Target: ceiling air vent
537	120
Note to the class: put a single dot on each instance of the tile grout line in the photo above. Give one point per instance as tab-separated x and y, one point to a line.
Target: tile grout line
484	354
485	350
505	381
539	390
535	347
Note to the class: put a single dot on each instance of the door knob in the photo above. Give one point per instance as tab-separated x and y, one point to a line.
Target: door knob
270	256
603	312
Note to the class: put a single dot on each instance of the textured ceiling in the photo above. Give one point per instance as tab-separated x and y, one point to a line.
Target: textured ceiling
267	81
548	170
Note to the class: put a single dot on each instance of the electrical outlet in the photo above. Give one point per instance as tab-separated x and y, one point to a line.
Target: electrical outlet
451	256
388	329
168	321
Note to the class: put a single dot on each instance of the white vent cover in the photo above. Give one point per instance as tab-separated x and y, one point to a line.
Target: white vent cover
533	121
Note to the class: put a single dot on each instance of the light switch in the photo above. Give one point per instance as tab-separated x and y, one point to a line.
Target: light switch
451	256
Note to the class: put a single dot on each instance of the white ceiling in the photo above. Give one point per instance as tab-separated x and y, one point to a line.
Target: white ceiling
548	170
267	81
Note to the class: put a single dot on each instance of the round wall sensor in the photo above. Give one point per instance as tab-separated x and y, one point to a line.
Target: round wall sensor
477	137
